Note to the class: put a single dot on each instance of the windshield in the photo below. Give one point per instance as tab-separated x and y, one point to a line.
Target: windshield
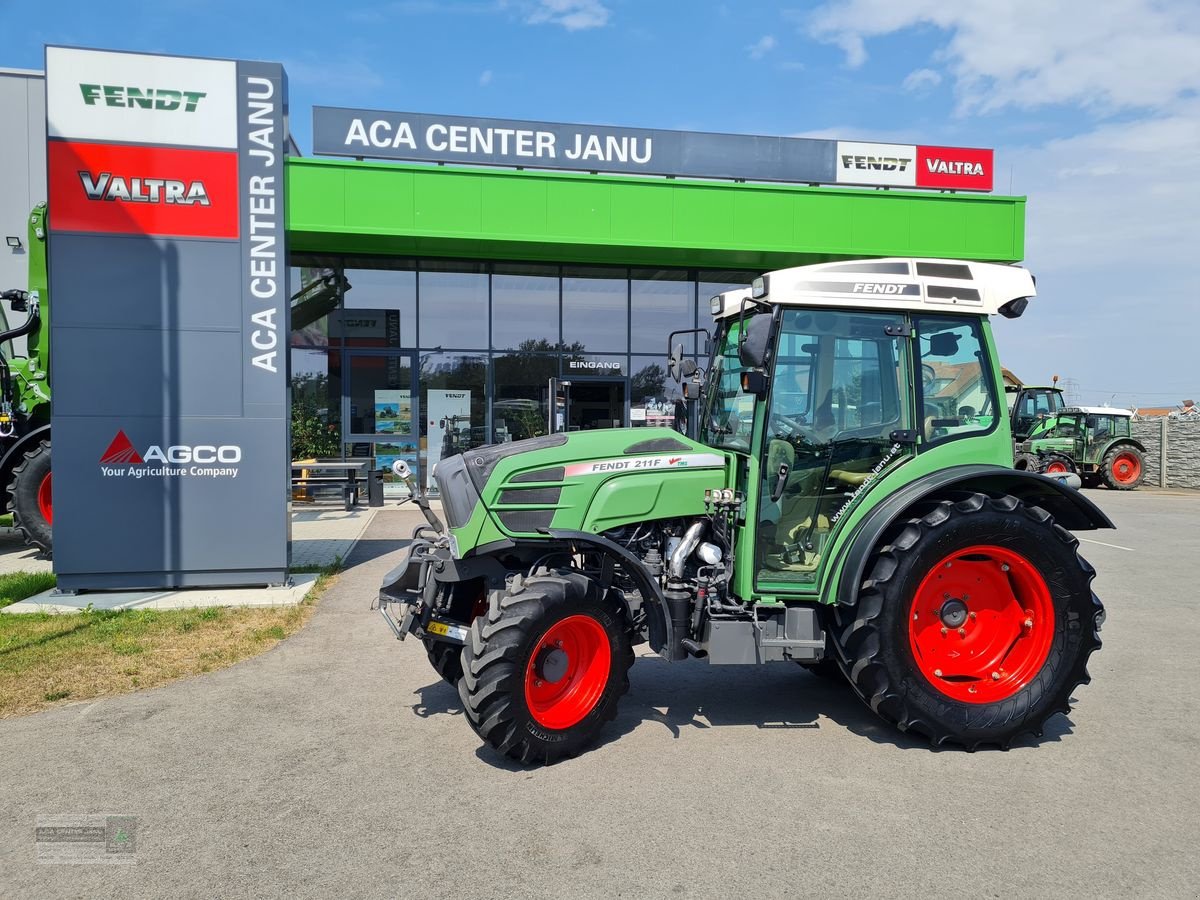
728	415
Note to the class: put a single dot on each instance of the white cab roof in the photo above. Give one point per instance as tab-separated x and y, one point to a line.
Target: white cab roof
929	285
1097	411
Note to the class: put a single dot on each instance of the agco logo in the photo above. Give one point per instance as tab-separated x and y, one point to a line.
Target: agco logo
162	99
211	460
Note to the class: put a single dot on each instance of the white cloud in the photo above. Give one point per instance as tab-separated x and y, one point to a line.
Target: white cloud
1111	223
1123	54
485	77
921	80
573	15
761	47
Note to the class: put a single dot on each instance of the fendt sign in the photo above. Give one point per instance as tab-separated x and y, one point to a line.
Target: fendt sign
167	243
424	137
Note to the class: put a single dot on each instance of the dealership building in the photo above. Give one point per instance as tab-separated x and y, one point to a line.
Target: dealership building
446	269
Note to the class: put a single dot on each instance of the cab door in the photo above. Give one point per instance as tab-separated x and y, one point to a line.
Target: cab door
839	400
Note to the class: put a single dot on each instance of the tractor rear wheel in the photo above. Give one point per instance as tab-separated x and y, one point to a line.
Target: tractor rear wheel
31	500
970	628
1123	468
544	668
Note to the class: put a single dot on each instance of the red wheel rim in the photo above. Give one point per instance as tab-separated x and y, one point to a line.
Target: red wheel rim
1126	468
567	672
1056	468
45	504
981	624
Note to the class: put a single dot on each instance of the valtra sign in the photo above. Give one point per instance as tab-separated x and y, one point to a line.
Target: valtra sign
168	267
915	165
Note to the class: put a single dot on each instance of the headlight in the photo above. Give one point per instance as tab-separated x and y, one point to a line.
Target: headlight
454	547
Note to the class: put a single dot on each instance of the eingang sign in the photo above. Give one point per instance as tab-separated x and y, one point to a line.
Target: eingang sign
424	137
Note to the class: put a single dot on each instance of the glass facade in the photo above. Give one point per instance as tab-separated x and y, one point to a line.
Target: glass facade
422	359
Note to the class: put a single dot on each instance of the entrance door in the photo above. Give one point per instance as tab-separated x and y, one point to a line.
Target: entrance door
381	416
596	404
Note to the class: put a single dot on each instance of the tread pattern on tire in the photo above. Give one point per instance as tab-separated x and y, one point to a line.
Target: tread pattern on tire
858	637
493	666
22	498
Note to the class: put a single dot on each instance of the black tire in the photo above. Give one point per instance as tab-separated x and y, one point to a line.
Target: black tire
1026	462
1114	476
873	637
23	492
446	659
504	646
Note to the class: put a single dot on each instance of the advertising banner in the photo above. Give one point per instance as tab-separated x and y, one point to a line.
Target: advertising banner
426	137
914	166
168	273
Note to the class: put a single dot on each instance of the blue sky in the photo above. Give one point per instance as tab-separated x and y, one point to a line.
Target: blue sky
1095	117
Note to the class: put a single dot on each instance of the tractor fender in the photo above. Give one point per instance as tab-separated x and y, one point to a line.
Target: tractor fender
1069	508
1123	442
15	453
658	614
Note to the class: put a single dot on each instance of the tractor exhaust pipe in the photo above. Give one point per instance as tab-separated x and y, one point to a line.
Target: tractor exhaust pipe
687	545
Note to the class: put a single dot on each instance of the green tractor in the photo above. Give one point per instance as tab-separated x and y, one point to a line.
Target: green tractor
832	512
25	399
1092	441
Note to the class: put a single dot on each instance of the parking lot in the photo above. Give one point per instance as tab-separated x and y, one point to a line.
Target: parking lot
338	764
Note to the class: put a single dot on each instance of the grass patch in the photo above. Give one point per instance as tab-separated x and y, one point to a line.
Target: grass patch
47	658
16	586
6	521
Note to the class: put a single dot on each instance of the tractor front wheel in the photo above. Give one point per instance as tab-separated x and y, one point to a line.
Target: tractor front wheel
30	498
974	625
1123	468
544	668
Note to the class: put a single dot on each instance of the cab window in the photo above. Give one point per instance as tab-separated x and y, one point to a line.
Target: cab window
957	398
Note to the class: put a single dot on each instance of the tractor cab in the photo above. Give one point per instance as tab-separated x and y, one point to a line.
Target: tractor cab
850	371
1029	406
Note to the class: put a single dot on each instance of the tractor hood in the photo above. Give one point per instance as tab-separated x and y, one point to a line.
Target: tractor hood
588	480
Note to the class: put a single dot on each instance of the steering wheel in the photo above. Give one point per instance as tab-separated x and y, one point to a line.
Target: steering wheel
788	426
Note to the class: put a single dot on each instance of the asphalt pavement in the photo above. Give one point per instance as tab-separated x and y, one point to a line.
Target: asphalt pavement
337	764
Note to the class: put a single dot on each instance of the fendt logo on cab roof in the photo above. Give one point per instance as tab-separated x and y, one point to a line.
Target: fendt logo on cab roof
163	99
107	186
874	287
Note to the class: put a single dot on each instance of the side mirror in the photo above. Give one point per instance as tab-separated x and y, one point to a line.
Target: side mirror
675	362
754	344
944	343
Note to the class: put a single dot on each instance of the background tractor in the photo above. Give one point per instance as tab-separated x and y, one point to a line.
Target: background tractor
25	398
1093	441
849	503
